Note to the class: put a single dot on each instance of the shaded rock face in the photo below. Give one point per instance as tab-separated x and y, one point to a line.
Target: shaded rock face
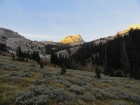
25	44
6	33
72	39
13	40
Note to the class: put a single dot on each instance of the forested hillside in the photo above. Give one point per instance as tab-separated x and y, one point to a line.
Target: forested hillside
118	57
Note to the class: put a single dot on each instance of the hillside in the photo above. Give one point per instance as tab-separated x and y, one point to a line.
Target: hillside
26	45
28	84
6	33
13	40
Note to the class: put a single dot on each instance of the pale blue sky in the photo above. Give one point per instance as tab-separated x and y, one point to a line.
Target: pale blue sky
55	19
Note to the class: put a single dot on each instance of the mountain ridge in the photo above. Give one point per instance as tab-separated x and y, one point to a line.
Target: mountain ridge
12	40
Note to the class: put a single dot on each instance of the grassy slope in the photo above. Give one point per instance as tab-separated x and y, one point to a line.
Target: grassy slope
86	89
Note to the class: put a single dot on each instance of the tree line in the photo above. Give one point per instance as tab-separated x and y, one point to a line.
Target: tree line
23	56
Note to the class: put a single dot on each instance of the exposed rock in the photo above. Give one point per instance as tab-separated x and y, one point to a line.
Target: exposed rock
73	39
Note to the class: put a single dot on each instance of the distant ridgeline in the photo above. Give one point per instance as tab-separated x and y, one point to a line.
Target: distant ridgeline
119	56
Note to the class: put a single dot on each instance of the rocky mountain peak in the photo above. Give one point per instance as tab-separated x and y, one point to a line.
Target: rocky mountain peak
72	39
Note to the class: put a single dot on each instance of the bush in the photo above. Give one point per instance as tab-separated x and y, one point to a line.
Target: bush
2	64
101	94
81	82
40	100
116	94
86	78
61	79
76	89
14	74
68	84
40	95
120	103
42	80
63	96
87	87
94	83
18	74
88	97
11	66
32	69
64	82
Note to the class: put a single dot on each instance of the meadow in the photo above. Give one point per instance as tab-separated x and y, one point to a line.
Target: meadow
25	83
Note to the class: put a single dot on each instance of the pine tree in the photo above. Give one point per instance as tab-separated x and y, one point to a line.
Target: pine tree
98	75
69	51
26	57
105	72
131	51
100	58
63	69
13	58
124	60
92	59
18	52
41	64
97	59
112	72
22	56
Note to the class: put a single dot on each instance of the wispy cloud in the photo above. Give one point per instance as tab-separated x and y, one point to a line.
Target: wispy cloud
38	37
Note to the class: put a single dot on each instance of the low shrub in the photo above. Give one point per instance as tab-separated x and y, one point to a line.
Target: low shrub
81	82
86	78
88	97
120	103
14	74
12	67
32	69
40	95
87	87
41	80
20	74
76	89
94	83
64	82
116	94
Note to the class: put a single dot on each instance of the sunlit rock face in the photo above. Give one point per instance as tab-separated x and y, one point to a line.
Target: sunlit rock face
72	39
133	26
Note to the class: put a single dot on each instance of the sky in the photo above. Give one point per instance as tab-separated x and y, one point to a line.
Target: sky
55	19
